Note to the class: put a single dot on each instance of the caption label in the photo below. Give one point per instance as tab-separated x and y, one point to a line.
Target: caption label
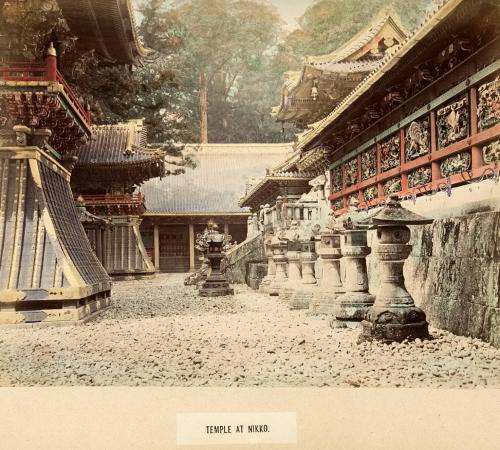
236	428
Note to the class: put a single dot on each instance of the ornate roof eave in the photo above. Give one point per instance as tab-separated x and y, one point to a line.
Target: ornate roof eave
360	39
273	181
287	165
315	160
386	65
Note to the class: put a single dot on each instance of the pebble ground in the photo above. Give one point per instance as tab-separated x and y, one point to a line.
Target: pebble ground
159	332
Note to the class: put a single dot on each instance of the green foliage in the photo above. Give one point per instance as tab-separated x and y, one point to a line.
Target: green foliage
233	42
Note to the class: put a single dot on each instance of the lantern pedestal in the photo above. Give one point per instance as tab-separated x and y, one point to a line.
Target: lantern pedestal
303	296
271	268
331	283
351	307
278	246
294	276
394	316
216	284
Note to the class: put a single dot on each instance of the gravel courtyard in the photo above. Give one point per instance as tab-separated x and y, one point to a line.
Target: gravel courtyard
159	332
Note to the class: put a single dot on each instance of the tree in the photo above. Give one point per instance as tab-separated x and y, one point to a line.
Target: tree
223	41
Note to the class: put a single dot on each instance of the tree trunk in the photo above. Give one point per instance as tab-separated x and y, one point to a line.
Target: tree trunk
203	109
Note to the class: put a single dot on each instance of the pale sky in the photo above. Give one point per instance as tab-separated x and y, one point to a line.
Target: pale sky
288	9
291	10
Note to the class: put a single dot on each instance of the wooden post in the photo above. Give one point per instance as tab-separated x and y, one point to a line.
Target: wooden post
402	160
192	267
358	185
203	109
226	229
380	186
476	153
435	170
156	243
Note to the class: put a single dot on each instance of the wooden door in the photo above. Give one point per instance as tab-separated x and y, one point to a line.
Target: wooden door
174	248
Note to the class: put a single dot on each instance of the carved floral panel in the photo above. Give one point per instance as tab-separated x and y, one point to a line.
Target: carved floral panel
369	164
337	179
419	176
417	139
390	156
351	172
370	193
455	164
353	199
338	204
392	186
452	122
488	104
491	152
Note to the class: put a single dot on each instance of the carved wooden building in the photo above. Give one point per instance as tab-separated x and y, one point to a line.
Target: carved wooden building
108	170
425	125
179	207
431	118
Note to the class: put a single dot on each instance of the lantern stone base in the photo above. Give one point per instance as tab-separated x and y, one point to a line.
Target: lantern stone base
389	324
324	304
303	297
286	292
215	286
275	288
264	285
351	307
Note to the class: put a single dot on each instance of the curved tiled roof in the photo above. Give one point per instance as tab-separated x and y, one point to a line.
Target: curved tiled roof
217	182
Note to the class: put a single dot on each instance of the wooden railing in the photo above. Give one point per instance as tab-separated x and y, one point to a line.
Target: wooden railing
32	71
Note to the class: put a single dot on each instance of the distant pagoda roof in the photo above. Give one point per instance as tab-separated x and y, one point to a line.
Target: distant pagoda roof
310	94
117	152
108	26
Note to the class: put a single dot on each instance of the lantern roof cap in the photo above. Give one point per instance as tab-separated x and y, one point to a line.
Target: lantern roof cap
393	213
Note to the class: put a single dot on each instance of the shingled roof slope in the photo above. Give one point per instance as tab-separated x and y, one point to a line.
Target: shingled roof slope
122	143
218	181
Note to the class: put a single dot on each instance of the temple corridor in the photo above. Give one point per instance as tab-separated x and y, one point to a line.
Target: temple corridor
160	332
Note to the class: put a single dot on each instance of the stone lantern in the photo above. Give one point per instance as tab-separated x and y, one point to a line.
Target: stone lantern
271	266
302	297
351	307
293	258
279	247
216	284
394	316
331	282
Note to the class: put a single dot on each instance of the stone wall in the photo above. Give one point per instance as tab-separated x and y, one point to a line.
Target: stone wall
238	258
453	273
